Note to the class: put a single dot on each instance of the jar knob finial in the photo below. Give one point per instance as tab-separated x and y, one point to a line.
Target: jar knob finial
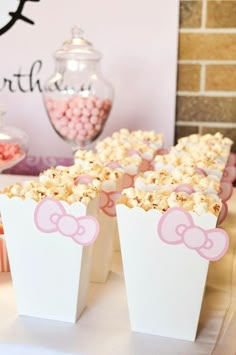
77	31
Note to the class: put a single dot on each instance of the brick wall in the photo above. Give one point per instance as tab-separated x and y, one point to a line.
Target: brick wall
206	92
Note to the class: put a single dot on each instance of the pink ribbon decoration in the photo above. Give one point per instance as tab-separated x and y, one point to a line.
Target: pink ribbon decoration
231	160
223	213
50	216
229	173
108	202
176	226
185	188
226	190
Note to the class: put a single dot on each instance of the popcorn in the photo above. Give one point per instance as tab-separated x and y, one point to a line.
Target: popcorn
163	179
124	149
217	151
118	160
58	183
124	143
62	183
208	139
118	156
207	161
163	200
85	158
123	136
217	145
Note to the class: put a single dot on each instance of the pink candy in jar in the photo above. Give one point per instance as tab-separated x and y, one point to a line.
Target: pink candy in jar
77	97
9	152
78	118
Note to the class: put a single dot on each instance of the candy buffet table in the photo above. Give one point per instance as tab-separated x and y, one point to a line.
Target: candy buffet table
103	328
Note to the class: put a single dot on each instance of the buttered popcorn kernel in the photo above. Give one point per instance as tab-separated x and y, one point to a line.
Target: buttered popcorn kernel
97	171
61	183
177	177
215	151
68	175
36	190
87	155
124	151
194	160
163	200
139	135
175	160
208	139
86	159
133	138
119	156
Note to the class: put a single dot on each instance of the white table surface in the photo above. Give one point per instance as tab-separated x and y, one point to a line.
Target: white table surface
104	329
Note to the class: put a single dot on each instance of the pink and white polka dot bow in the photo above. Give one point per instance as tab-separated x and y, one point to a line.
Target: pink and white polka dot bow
176	226
50	216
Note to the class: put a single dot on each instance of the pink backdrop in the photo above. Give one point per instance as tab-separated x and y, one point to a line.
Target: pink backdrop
138	40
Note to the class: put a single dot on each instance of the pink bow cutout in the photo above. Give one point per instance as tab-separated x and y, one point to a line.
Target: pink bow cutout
84	180
231	159
108	202
176	226
128	181
229	173
50	216
223	213
226	190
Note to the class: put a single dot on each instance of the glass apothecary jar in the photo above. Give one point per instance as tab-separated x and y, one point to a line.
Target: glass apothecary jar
13	144
77	97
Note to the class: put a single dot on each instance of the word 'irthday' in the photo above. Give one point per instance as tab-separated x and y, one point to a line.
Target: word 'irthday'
22	81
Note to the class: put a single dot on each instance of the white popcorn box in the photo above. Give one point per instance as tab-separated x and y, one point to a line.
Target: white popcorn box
4	262
117	240
104	245
165	259
103	248
128	181
50	248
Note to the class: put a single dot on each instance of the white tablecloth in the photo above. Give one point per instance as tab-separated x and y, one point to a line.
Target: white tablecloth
103	328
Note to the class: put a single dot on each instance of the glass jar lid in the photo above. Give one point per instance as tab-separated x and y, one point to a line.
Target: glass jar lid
77	47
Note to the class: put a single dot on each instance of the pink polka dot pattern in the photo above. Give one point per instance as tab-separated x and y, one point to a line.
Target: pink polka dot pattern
78	118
